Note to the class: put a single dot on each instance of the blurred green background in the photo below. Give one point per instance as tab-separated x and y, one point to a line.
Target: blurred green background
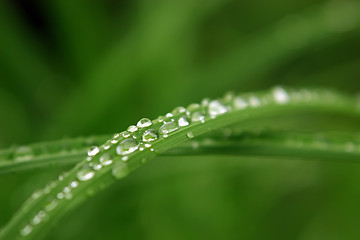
71	68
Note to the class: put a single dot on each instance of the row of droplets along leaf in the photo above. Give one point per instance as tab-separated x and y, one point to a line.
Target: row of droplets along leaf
115	153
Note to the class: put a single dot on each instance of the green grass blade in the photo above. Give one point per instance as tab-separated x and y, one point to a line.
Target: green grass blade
126	151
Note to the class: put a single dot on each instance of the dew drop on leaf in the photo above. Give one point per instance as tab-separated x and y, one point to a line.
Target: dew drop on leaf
144	122
127	146
85	173
150	135
168	128
93	151
217	108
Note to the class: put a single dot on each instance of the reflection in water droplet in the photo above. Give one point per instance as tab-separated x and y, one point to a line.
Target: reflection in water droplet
150	135
127	146
74	184
144	122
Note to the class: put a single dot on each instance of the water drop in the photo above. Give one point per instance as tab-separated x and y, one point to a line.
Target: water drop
23	153
97	167
193	107
85	173
254	101
125	158
217	108
240	103
93	151
198	117
116	135
26	230
190	135
114	141
74	184
147	145
178	110
205	102
51	206
169	115
60	195
125	134
36	194
66	189
106	145
144	122
280	95
120	170
106	159
183	121
127	146
132	128
168	128
150	135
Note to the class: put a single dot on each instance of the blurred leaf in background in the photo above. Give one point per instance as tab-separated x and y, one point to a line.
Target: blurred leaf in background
70	68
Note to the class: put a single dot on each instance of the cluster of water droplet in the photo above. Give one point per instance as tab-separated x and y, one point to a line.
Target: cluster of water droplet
116	152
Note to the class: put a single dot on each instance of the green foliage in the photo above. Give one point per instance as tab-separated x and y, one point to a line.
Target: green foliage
90	68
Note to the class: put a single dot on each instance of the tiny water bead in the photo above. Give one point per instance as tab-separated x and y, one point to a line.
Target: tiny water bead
190	135
106	159
127	146
120	170
93	151
144	122
85	173
183	121
167	128
51	205
150	135
217	108
132	128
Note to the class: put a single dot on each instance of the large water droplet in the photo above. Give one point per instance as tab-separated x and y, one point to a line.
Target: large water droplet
183	121
127	146
93	151
120	170
144	122
198	117
217	108
150	135
168	127
106	159
26	230
280	95
85	173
